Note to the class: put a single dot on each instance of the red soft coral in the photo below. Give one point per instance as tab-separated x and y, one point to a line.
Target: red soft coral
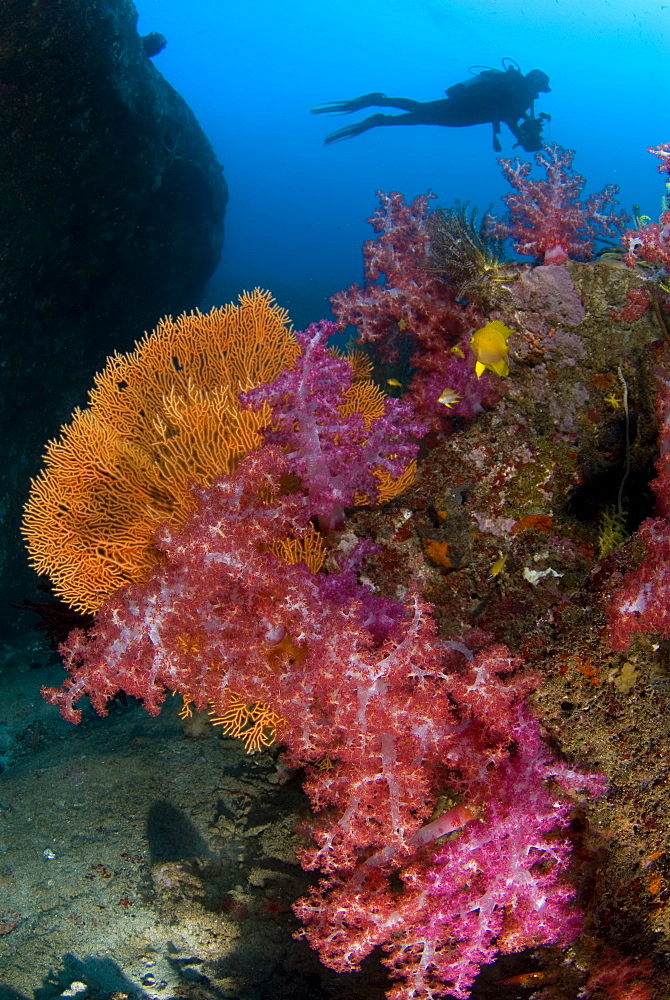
401	293
641	604
650	241
404	299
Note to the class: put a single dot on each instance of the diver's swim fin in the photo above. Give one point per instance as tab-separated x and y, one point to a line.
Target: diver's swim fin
345	107
349	131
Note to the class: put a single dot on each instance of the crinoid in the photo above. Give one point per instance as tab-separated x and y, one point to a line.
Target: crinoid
468	253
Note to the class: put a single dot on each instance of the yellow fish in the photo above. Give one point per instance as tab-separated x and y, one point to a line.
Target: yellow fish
458	351
394	381
498	566
489	346
449	397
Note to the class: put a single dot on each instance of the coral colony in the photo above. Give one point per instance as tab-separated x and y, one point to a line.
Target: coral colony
548	220
191	507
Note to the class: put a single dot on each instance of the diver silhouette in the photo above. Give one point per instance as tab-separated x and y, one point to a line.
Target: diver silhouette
491	95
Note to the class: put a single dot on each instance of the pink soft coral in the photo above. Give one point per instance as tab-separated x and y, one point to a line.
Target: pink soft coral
404	739
384	718
495	885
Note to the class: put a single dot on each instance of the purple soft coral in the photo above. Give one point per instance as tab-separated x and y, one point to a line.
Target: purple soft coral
335	455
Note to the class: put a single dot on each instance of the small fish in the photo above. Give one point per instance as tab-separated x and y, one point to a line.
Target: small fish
395	382
489	346
498	566
527	979
449	397
458	351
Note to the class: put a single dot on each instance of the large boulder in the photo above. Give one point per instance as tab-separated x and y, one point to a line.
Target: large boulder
111	216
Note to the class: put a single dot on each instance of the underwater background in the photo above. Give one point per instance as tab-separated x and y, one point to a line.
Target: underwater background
296	217
425	584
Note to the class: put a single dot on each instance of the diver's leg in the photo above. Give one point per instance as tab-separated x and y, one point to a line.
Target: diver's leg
351	130
375	100
344	107
402	103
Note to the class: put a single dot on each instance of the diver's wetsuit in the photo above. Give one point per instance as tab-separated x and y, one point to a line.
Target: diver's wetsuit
491	96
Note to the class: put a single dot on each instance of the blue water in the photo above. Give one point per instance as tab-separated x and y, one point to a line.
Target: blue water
296	219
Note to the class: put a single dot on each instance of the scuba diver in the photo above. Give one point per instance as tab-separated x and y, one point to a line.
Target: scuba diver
491	95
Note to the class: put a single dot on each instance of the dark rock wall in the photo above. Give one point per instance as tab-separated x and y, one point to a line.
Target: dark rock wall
111	215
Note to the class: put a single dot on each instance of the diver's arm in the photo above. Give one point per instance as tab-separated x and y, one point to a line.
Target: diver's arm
496	141
514	129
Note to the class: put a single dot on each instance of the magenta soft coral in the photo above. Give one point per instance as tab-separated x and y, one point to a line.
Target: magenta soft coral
548	220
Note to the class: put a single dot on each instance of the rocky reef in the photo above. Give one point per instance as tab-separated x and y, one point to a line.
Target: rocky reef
111	211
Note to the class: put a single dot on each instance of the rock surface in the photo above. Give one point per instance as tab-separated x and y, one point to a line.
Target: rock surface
111	215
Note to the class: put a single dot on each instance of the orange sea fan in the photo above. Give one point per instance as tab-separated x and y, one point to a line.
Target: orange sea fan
389	488
366	398
158	417
310	549
361	363
256	724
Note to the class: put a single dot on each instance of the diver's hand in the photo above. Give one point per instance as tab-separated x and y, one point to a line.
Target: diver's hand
344	107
